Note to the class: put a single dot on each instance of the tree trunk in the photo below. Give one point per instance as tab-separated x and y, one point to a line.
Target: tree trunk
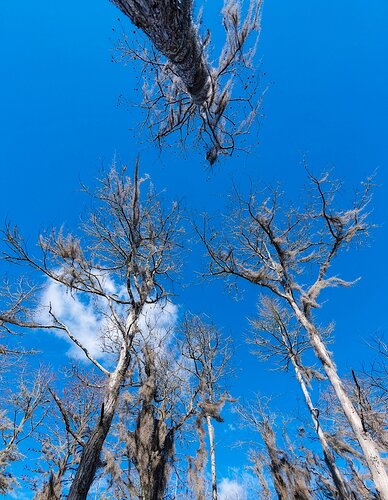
169	25
336	475
153	441
90	458
370	451
52	490
210	430
154	452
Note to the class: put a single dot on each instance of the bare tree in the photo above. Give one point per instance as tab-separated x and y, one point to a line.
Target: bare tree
275	337
257	467
24	393
122	267
163	406
291	479
185	94
67	425
371	405
289	252
23	410
209	355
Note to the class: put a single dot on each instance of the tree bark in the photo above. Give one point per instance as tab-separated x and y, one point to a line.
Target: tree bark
336	475
52	489
90	458
370	451
154	452
210	430
153	441
169	25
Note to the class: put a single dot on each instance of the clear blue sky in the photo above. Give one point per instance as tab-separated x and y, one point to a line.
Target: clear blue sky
326	63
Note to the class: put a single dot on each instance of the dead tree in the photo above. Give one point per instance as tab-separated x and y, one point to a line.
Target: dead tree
121	266
257	467
152	417
23	409
169	26
274	337
291	479
370	403
182	93
23	394
289	252
209	355
68	422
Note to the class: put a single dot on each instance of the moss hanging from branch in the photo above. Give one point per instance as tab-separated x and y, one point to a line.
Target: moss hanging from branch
183	93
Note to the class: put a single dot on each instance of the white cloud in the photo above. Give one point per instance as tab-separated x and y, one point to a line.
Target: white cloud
230	489
83	318
87	317
157	321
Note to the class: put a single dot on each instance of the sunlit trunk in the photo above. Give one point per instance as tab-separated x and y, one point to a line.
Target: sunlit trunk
210	430
327	453
370	451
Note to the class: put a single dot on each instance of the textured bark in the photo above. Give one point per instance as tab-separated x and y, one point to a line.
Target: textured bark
370	451
52	489
155	446
327	453
210	430
90	458
153	441
197	466
169	25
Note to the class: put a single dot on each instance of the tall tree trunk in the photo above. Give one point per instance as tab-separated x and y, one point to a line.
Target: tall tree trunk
153	441
368	446
336	475
90	458
169	25
210	430
154	452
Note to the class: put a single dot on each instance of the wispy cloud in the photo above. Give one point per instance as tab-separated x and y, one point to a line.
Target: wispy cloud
231	489
240	485
87	317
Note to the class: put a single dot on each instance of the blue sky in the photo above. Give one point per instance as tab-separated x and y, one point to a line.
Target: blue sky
325	63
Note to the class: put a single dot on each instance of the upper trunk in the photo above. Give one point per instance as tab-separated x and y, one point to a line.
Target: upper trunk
210	429
169	25
153	442
368	446
327	453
